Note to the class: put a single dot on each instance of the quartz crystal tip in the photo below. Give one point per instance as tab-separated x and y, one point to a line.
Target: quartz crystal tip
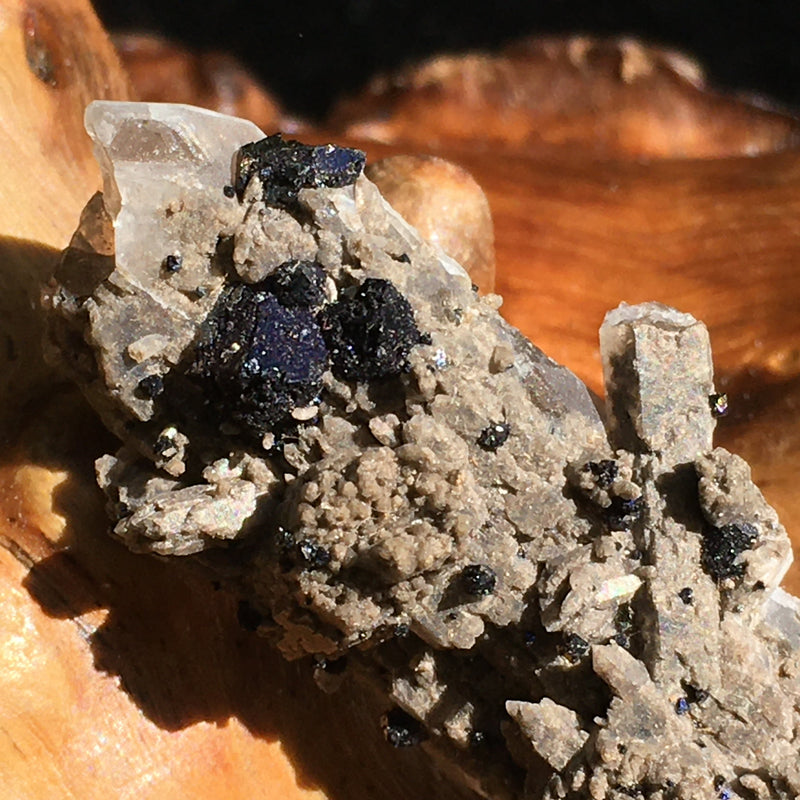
659	377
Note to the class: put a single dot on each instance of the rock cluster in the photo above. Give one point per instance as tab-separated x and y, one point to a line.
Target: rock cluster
557	606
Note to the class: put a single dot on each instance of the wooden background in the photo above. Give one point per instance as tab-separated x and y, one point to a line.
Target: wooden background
611	174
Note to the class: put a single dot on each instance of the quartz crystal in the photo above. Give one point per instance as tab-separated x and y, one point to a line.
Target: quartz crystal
556	600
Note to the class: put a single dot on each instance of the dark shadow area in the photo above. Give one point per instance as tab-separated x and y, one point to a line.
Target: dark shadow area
24	266
679	488
311	54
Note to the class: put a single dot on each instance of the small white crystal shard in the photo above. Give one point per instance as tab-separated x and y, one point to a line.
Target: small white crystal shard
553	730
164	170
782	612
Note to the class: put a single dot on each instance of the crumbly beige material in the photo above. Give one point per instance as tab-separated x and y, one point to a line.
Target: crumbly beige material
558	610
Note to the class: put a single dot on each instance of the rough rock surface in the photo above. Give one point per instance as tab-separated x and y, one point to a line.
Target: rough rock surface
415	495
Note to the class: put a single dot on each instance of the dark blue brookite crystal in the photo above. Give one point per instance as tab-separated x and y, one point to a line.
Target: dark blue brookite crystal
259	359
286	166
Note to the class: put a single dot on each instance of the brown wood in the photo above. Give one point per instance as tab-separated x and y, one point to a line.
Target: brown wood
553	97
125	676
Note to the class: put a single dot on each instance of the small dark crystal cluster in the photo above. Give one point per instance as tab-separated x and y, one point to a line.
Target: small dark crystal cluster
401	729
264	348
286	166
723	546
370	333
622	512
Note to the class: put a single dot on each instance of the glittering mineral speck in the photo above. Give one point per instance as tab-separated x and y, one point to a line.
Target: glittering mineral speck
164	445
681	706
623	513
477	738
686	595
695	694
284	539
493	436
173	263
401	729
259	359
312	554
336	666
151	386
723	546
370	334
286	166
575	647
478	580
440	359
605	472
718	404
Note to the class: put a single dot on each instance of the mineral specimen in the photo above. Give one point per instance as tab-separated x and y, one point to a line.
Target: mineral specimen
286	167
556	607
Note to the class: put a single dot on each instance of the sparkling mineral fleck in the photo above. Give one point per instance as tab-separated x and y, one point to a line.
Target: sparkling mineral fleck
401	729
719	404
494	436
478	580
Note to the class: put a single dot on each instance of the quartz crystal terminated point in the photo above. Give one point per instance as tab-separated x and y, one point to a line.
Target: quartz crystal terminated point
157	158
659	377
164	168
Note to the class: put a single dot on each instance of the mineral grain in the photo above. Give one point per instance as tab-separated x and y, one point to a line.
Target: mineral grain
555	606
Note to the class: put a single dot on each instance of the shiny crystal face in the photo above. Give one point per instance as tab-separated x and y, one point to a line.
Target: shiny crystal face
257	360
558	606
